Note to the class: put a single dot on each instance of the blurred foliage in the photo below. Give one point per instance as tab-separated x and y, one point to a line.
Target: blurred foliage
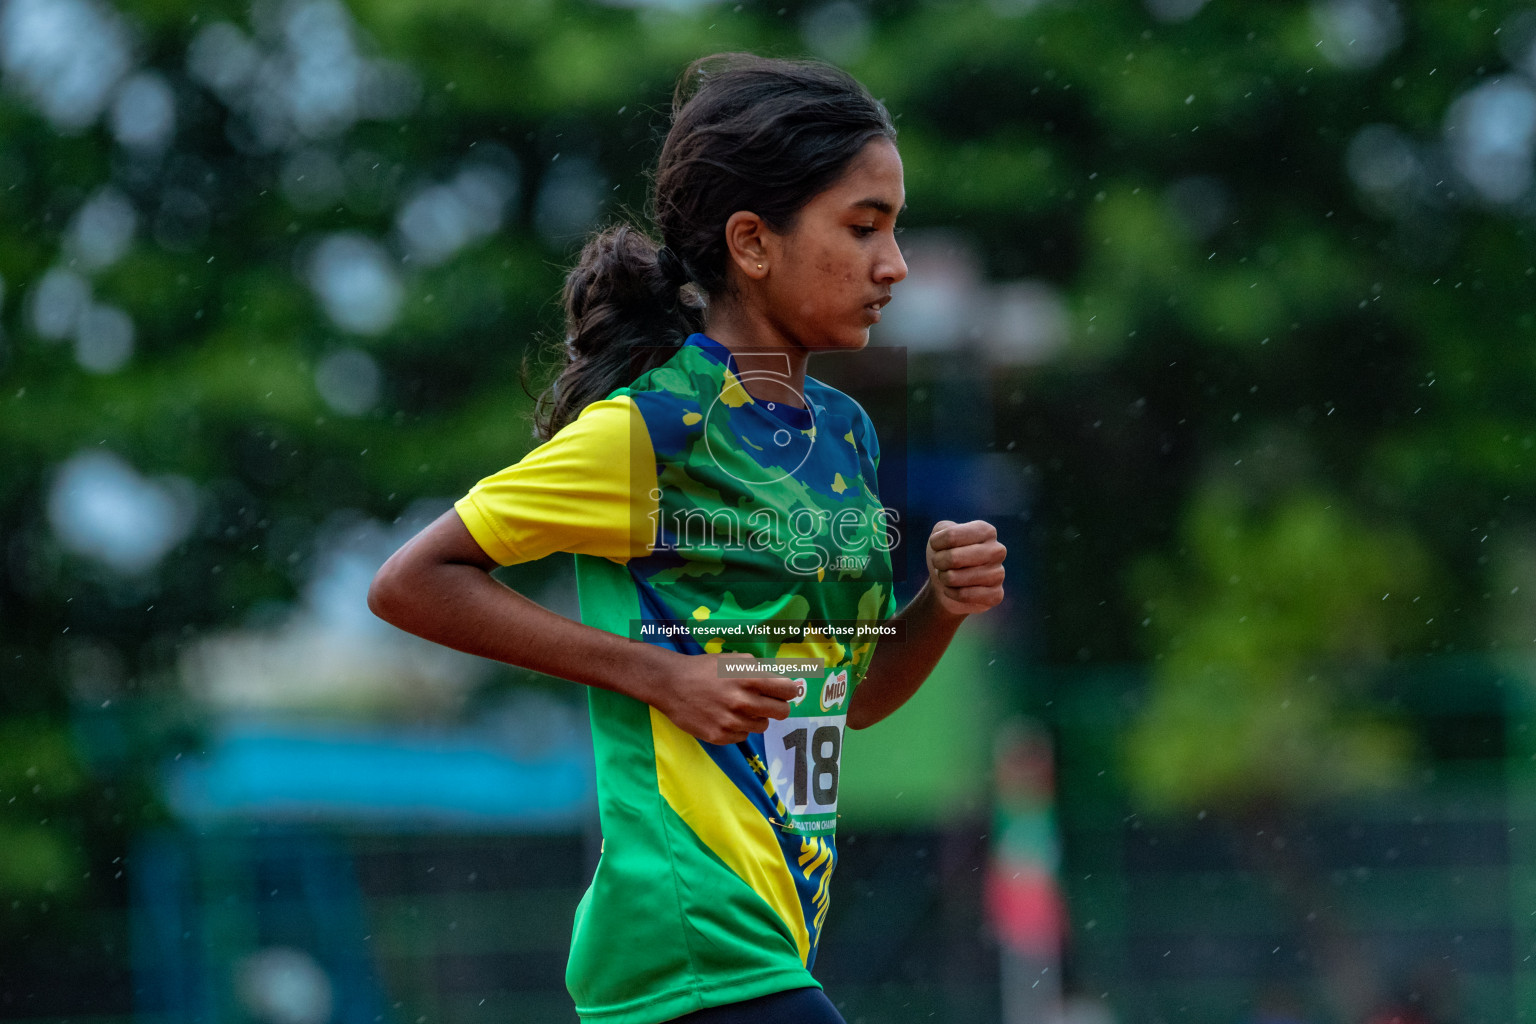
1272	624
1289	407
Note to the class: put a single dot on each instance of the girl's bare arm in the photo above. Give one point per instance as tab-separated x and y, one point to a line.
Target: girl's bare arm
439	586
965	576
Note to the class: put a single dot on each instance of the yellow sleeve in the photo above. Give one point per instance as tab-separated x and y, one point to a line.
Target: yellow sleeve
590	489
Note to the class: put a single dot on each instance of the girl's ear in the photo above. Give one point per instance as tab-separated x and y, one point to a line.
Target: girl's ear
747	242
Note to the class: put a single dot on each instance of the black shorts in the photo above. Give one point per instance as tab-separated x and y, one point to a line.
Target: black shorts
795	1006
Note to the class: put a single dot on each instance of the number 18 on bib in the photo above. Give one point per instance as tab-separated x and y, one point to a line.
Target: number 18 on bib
802	754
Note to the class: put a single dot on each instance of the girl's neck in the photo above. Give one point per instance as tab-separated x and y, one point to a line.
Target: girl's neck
772	365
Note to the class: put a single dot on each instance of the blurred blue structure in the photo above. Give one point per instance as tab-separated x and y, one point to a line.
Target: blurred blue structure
287	893
388	779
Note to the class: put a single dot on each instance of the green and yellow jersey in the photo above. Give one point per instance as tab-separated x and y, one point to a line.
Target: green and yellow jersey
707	521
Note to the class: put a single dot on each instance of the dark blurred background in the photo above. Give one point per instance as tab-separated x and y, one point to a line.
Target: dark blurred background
1221	312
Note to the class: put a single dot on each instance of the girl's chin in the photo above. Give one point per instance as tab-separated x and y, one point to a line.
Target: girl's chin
848	339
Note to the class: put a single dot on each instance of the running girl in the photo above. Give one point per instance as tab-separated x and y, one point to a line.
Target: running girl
706	484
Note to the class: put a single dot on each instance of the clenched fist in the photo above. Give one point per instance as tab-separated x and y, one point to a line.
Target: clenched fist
718	708
965	566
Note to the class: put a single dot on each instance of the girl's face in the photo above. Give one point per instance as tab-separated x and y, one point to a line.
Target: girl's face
828	277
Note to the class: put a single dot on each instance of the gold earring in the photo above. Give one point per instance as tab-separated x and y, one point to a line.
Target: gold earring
759	266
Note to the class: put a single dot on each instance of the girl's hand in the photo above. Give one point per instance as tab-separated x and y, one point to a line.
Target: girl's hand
965	566
704	700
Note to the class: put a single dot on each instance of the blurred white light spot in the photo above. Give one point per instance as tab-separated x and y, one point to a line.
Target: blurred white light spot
1357	33
101	230
932	309
349	381
839	31
485	191
312	179
267	104
569	201
1491	132
336	597
331	652
1174	10
103	339
1023	322
304	76
324	69
57	302
66	55
1383	164
359	289
103	508
221	57
282	985
144	114
434	224
441	219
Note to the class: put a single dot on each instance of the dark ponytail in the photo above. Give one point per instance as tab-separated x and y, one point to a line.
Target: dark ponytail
748	133
625	310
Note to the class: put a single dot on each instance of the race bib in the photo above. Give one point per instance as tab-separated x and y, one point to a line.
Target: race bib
804	751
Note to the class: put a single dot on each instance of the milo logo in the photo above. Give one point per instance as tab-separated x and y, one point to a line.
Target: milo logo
799	692
834	690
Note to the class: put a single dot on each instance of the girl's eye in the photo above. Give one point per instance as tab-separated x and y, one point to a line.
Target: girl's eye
863	230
